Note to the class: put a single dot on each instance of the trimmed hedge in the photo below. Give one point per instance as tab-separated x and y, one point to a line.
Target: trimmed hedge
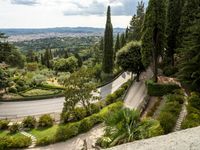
14	142
156	89
65	132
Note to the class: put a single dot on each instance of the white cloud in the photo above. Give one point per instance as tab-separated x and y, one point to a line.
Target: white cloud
58	13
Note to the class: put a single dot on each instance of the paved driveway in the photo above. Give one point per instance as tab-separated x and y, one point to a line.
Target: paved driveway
53	105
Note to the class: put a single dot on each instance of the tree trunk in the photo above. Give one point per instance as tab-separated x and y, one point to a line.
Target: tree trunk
172	60
138	77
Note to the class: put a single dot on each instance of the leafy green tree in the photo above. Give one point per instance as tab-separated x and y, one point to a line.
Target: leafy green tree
5	48
108	60
130	59
135	29
16	59
66	65
79	60
78	90
30	57
153	41
4	79
173	25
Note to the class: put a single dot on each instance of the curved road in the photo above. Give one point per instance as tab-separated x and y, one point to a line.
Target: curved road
13	110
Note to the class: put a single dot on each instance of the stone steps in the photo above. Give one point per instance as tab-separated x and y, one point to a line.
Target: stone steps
33	138
182	115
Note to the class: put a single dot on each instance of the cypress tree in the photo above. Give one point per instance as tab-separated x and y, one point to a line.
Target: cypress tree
122	40
153	41
117	44
173	24
189	50
108	61
135	31
126	34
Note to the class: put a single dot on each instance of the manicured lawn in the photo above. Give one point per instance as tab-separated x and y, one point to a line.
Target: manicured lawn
36	92
42	133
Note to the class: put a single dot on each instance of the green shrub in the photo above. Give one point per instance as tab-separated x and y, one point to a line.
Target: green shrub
193	117
20	142
95	108
45	121
85	125
4	124
156	89
29	122
103	142
194	100
14	128
68	131
14	142
175	97
12	90
79	113
150	128
191	120
65	117
167	121
45	141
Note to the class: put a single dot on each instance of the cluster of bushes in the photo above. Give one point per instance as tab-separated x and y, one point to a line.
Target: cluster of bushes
156	89
12	129
170	112
10	142
65	132
193	117
28	123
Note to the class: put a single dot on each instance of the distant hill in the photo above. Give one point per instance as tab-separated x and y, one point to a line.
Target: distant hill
61	30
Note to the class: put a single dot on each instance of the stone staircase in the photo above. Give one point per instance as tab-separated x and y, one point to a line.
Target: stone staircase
182	115
33	139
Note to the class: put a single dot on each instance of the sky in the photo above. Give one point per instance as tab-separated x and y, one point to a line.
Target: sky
64	13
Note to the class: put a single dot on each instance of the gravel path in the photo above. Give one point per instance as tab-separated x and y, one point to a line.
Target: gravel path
138	91
76	143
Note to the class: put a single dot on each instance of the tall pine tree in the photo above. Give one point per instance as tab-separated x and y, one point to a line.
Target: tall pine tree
153	41
173	24
108	61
